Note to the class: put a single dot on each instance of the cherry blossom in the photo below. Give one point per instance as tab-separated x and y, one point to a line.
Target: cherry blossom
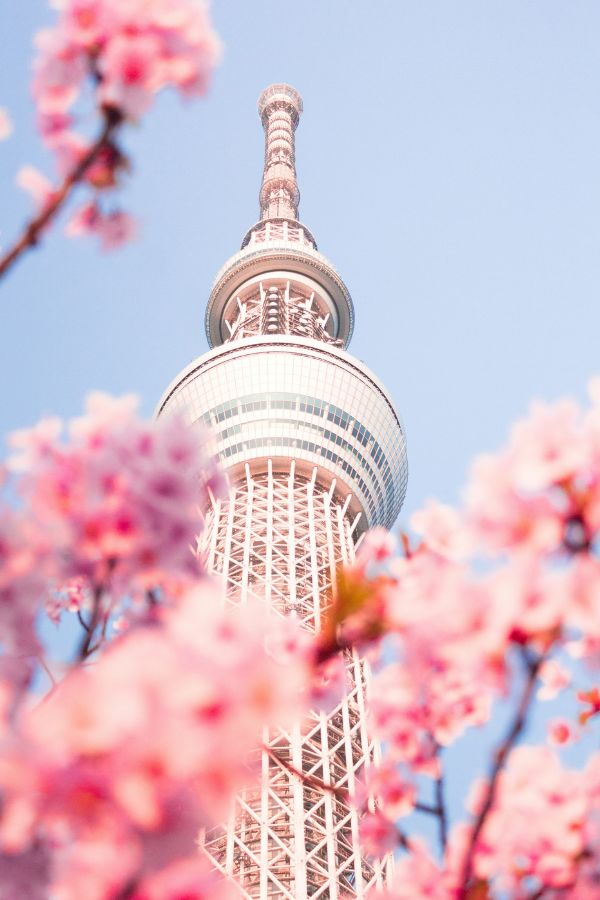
119	500
21	590
554	678
113	229
480	610
378	835
560	732
6	126
418	876
106	782
37	185
144	748
536	829
120	54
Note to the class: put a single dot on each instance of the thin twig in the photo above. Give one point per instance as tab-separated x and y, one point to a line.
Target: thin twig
427	808
500	756
30	236
339	793
440	806
82	621
309	780
46	669
85	648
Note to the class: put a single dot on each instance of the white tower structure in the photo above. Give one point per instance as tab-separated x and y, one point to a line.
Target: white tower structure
315	454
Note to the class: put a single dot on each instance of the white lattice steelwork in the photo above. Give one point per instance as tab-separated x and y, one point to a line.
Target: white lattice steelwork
279	537
315	453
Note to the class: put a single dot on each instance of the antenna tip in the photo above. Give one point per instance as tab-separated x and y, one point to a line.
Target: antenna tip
278	94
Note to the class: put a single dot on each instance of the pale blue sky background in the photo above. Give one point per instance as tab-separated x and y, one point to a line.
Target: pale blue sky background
448	161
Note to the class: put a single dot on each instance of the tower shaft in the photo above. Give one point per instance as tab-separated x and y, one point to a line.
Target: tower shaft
278	538
315	454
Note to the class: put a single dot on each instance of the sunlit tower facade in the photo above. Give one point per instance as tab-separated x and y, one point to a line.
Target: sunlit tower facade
315	454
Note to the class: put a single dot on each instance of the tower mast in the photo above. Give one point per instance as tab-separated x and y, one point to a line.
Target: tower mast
315	454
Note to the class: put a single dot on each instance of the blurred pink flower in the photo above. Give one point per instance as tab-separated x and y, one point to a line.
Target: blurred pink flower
118	502
37	185
6	126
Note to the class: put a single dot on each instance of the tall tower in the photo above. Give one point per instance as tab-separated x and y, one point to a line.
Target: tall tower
315	454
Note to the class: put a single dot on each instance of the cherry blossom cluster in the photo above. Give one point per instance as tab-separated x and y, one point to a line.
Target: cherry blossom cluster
491	603
117	501
541	838
107	514
109	779
119	53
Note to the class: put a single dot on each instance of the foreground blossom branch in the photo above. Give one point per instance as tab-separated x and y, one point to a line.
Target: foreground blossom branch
34	229
440	811
105	781
122	53
500	757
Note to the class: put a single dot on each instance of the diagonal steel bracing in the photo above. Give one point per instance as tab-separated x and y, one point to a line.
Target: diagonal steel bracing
279	538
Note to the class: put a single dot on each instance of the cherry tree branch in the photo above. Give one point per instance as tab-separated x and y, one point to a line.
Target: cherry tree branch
30	236
86	648
340	793
515	730
308	780
440	810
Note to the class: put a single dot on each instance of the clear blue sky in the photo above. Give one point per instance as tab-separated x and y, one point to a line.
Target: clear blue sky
448	161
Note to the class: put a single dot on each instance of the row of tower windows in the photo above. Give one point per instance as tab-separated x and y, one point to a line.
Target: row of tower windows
329	436
310	405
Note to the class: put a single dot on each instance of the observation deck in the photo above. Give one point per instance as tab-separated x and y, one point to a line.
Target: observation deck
283	397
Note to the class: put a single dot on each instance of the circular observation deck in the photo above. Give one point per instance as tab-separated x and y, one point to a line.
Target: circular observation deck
284	398
279	251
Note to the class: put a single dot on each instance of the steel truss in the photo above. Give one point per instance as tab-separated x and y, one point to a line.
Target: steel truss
279	537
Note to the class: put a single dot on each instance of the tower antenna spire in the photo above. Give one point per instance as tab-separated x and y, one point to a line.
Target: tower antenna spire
279	107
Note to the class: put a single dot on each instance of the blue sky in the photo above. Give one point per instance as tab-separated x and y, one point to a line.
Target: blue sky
448	161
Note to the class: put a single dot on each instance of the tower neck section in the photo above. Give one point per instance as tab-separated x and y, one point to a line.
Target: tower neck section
278	283
279	107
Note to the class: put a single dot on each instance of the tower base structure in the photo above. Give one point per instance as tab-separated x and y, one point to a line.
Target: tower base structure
279	538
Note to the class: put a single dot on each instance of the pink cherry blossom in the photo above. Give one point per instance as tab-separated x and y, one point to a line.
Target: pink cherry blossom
416	877
36	184
192	879
131	72
388	789
59	72
119	501
376	546
536	829
442	530
113	229
560	731
554	677
378	835
21	589
6	126
128	754
121	54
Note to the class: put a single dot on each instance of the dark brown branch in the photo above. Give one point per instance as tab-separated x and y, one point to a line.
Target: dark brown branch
440	807
82	621
500	756
426	808
30	236
340	793
308	780
86	648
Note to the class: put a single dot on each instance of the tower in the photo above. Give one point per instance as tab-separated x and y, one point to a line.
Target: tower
315	454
